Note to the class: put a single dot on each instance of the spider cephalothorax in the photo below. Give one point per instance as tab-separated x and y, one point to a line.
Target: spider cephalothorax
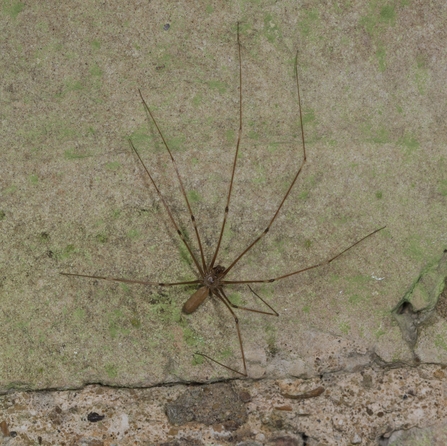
213	276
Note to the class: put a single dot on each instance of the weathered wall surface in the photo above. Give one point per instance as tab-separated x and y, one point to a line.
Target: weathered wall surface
75	199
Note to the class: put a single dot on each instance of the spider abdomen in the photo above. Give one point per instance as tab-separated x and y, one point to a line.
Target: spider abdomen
195	300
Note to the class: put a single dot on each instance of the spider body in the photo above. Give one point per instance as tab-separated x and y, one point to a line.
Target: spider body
211	283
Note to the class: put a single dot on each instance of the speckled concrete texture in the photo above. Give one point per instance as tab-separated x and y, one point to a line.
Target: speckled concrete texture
75	199
372	407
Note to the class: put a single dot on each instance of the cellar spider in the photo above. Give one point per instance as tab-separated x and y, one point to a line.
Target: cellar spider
211	275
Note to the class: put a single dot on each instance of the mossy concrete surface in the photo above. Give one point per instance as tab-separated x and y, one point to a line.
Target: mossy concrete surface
75	199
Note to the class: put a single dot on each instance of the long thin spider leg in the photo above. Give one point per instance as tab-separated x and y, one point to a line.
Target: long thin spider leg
325	262
179	232
193	219
141	282
275	313
236	320
293	181
219	363
227	206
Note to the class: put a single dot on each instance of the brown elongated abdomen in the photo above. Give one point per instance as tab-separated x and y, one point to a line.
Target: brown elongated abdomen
195	300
